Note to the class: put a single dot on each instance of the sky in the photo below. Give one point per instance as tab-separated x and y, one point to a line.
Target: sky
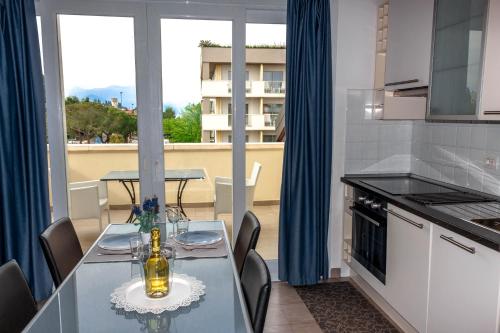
98	52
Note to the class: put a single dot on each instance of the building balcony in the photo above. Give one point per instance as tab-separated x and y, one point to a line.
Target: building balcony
254	122
223	88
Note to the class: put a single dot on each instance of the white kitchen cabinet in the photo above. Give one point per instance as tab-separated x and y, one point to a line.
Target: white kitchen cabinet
464	286
490	99
409	40
407	275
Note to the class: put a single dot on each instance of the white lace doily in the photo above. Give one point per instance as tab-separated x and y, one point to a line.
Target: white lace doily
131	296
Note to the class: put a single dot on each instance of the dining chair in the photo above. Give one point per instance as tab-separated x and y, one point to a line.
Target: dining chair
61	248
223	199
88	200
17	305
256	285
247	239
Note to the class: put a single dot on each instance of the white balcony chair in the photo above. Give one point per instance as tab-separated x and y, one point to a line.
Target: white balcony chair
88	200
223	203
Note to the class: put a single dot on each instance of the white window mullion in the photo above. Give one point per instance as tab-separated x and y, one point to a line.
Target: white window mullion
238	81
56	120
149	99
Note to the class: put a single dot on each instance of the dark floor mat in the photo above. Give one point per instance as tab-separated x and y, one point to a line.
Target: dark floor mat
339	308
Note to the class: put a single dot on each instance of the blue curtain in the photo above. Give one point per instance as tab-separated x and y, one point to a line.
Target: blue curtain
24	203
305	188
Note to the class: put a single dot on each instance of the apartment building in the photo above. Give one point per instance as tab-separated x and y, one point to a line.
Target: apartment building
265	93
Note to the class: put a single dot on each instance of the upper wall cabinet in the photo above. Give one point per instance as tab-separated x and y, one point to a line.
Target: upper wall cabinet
465	66
409	38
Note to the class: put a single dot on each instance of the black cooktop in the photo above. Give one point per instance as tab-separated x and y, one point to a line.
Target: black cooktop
406	186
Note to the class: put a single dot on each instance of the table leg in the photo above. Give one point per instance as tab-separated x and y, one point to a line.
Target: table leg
180	191
131	193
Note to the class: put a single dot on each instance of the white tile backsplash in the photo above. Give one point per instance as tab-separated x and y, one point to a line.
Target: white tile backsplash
450	152
456	153
374	145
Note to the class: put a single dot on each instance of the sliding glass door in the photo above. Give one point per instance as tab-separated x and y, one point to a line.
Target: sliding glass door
157	89
197	124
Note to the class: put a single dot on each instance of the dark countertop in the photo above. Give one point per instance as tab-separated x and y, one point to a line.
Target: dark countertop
477	233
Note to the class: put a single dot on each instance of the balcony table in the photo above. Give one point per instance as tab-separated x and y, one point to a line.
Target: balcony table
82	302
129	177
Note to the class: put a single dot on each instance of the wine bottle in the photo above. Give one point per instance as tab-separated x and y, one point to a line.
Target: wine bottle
156	269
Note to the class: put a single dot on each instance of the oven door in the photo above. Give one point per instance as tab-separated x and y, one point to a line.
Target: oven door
369	241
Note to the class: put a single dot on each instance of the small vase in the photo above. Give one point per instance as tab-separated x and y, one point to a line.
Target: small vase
145	237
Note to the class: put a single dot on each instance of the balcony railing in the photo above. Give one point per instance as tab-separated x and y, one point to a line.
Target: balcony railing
270	119
274	87
92	161
223	122
223	88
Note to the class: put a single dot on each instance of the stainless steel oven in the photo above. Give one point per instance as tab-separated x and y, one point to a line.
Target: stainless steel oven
369	233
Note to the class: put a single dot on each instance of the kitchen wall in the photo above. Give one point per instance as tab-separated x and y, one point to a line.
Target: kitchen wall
353	38
456	153
374	146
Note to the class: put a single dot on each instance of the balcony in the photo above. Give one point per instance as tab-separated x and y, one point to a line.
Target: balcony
254	122
222	88
91	162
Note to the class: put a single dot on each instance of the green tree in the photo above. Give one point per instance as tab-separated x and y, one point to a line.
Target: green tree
169	113
89	119
186	127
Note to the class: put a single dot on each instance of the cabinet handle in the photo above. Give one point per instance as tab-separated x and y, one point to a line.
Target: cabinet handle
397	83
460	245
415	224
491	112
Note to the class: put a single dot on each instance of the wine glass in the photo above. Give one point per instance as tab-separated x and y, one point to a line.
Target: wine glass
174	214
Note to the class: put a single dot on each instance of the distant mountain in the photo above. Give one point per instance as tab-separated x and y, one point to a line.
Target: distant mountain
105	94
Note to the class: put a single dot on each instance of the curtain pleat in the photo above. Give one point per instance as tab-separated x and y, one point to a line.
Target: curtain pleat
24	203
305	188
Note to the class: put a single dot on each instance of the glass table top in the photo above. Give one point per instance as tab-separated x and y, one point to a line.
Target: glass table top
82	302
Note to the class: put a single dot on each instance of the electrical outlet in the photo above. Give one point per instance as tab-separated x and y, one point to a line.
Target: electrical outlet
491	162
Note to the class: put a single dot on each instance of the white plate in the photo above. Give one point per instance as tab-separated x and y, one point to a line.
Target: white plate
198	238
118	242
131	296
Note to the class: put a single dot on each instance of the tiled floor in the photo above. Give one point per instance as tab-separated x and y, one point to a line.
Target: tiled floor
88	230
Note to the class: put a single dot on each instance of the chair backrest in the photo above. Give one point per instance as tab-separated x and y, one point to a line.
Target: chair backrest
61	248
255	174
84	200
102	187
256	285
17	306
247	239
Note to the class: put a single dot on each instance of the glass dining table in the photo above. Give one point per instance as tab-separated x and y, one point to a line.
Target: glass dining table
82	302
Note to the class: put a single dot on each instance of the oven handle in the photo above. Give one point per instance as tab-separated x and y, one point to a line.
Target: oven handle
354	210
415	224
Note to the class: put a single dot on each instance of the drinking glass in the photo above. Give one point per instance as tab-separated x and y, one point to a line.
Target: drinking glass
182	226
136	247
168	250
174	214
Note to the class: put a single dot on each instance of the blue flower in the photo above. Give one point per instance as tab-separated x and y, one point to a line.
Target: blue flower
147	204
137	210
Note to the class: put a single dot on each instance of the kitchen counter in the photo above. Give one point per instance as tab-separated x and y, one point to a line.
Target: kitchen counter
477	233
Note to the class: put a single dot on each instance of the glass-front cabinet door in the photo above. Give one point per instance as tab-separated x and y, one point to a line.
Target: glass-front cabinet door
459	29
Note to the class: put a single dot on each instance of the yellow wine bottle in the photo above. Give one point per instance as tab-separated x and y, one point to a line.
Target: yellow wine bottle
156	269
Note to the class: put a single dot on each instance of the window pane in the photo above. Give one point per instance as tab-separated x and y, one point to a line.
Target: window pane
196	74
266	62
98	63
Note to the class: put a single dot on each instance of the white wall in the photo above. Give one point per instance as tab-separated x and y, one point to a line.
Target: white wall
353	35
